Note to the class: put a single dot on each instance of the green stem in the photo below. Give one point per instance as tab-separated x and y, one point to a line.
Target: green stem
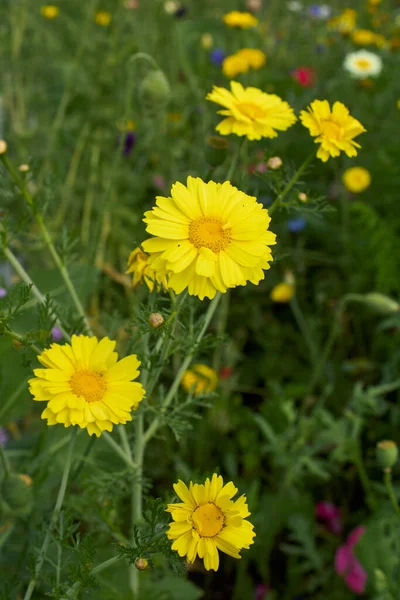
14	396
71	593
362	473
385	388
387	476
221	327
4	462
125	457
303	326
137	498
235	159
54	517
19	338
278	200
174	387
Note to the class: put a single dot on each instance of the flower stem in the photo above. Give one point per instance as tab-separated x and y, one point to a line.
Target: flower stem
54	517
71	593
277	202
387	477
235	159
125	457
19	338
4	462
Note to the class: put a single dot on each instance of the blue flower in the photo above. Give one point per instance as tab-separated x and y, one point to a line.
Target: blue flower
217	56
296	224
319	11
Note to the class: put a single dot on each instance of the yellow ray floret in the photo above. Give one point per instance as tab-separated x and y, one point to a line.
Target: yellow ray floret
84	384
208	237
208	520
251	112
334	130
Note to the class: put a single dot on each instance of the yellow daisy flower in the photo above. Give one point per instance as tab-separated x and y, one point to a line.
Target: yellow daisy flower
242	61
251	112
49	11
235	18
282	292
208	520
363	37
209	237
102	18
345	22
85	385
356	179
199	379
335	130
138	265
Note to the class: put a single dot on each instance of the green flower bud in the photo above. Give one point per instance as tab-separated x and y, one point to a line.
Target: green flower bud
155	91
381	303
386	454
16	496
216	150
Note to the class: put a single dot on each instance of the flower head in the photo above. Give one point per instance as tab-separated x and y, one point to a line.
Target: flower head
347	564
199	379
49	11
345	22
217	56
242	61
102	18
356	179
362	64
85	385
56	334
251	112
334	130
209	237
235	18
142	271
329	514
282	292
208	520
305	76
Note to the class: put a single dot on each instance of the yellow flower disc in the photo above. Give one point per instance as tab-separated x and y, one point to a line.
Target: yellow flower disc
84	384
356	179
208	520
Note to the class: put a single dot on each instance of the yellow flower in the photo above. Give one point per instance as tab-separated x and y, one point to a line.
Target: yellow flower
208	520
242	61
345	22
363	37
335	130
138	265
207	41
283	292
85	385
49	11
374	2
102	18
209	237
398	104
251	112
356	179
235	18
199	379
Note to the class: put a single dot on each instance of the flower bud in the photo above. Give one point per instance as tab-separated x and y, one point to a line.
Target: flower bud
156	320
302	197
216	150
386	454
141	564
16	496
381	584
381	303
3	147
23	168
274	163
207	41
155	90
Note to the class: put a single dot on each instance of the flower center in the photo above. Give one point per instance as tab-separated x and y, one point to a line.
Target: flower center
208	520
330	130
253	111
363	63
89	385
208	232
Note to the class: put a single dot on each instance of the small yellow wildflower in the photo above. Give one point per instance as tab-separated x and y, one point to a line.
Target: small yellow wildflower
207	41
242	61
282	292
102	18
334	130
142	271
345	22
235	18
356	179
199	379
208	520
364	37
49	11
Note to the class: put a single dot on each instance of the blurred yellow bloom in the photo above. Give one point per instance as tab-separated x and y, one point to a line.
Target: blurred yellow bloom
374	2
102	18
49	11
235	18
199	379
398	104
363	37
345	22
207	41
283	292
334	130
242	61
250	112
356	179
142	271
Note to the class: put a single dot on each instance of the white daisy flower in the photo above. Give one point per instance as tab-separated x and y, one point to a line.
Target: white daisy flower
363	64
295	6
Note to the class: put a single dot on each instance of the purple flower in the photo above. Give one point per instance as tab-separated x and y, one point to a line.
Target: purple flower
3	292
129	142
320	11
217	56
296	224
56	334
330	515
347	564
3	437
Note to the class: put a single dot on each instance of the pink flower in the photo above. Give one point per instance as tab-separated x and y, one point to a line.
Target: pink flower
330	515
261	591
158	182
305	76
347	564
